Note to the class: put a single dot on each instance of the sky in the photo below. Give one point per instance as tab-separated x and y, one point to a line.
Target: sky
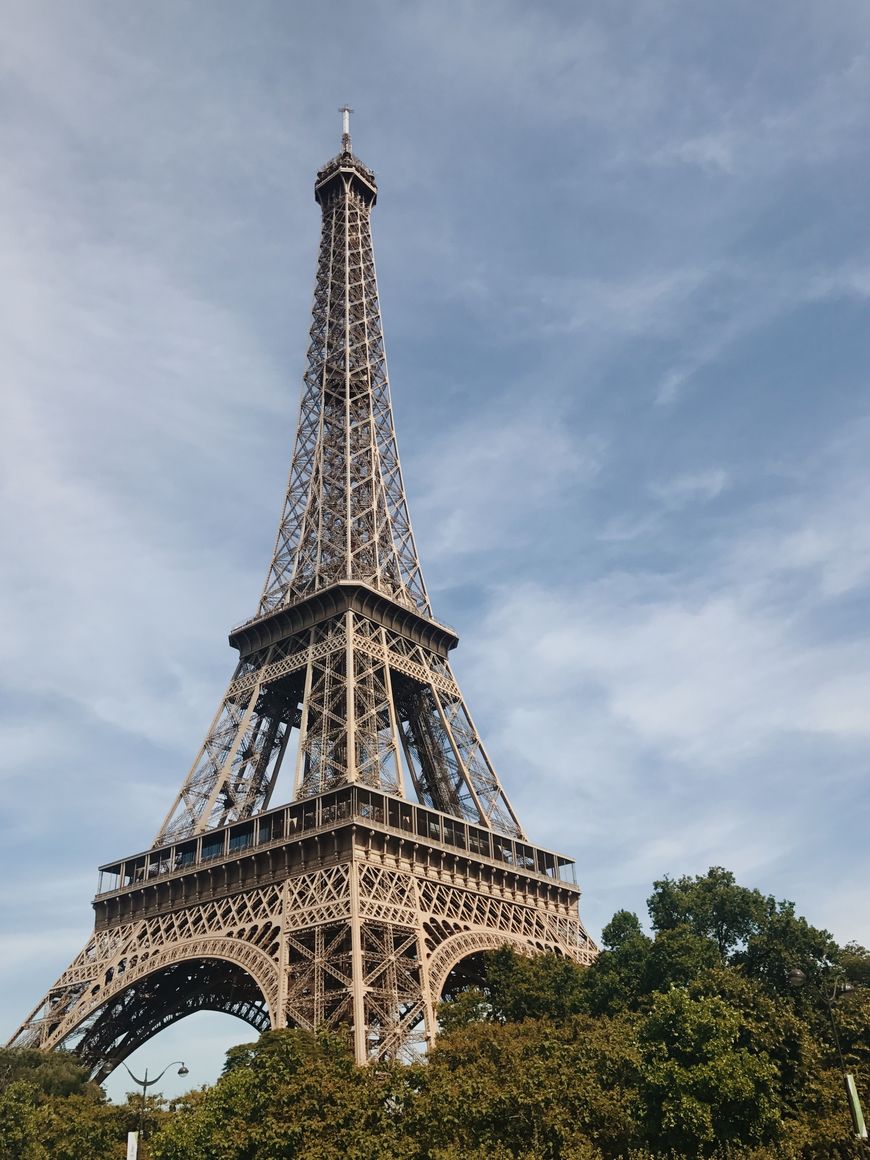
624	264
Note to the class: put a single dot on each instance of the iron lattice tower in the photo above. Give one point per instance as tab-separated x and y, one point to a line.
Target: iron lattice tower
399	857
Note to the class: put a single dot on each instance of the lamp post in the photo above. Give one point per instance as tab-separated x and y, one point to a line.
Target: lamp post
837	984
133	1151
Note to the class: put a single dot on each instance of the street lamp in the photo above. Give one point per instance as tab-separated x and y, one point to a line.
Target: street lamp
145	1084
837	985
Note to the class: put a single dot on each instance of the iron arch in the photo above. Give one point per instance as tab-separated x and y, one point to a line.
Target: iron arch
152	992
466	944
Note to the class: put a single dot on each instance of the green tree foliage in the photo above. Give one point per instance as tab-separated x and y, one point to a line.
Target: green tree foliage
55	1073
19	1137
618	977
855	961
79	1126
703	1084
718	957
700	923
49	1110
291	1094
541	987
712	905
534	1089
471	1005
749	929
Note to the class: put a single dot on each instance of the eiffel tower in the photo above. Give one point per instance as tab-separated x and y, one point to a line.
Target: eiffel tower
398	859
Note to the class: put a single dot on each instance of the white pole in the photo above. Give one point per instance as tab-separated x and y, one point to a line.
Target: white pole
345	111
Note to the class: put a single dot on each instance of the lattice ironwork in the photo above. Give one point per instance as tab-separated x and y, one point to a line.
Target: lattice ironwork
351	911
345	515
363	705
345	519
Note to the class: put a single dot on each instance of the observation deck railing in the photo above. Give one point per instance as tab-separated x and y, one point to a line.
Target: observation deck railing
310	816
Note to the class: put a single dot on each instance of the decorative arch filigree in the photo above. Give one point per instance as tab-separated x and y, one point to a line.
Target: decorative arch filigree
126	977
471	942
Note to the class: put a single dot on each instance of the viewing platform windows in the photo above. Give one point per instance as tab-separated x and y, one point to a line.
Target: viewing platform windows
349	803
213	846
480	841
241	837
428	825
455	833
271	827
400	815
185	854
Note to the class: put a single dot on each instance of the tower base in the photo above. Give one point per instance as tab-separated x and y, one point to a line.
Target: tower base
348	910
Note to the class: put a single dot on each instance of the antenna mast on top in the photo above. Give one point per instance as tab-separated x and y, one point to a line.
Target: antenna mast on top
345	111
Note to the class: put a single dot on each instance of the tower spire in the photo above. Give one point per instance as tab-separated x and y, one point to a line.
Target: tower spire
345	515
345	111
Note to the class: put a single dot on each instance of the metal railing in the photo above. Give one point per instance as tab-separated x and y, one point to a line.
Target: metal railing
349	803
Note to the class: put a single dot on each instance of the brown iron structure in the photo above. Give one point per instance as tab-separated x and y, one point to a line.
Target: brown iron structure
399	858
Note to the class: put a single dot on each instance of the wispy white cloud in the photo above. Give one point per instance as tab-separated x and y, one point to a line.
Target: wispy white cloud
486	486
651	304
744	299
683	489
753	138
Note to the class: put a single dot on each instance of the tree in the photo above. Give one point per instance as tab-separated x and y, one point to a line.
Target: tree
676	957
543	986
290	1094
65	1126
749	929
516	987
51	1073
471	1005
712	905
633	967
786	940
700	1087
855	961
80	1125
764	1072
617	979
536	1089
19	1138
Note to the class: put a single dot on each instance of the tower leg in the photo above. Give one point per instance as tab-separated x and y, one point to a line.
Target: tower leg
357	970
429	1017
279	1015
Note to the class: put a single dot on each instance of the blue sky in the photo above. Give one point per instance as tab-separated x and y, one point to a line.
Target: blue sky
624	262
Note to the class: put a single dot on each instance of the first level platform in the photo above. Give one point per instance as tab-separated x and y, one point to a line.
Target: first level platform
243	849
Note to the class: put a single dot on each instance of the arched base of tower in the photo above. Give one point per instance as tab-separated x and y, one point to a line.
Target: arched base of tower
344	913
160	999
